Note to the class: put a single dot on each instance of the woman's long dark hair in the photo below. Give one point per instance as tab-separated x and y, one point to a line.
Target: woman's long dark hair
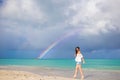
76	50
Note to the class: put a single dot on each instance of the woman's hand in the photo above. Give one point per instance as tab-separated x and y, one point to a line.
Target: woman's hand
83	62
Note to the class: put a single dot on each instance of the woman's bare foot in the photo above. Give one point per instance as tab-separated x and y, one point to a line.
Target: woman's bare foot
74	76
82	77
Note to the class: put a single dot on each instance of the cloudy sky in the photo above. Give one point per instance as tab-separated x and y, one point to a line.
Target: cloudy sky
28	27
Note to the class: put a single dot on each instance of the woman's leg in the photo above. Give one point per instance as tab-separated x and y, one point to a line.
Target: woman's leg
76	71
81	72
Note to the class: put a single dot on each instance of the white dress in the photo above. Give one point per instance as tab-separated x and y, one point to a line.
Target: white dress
78	57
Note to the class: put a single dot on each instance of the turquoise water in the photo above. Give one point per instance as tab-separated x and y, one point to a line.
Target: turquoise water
112	64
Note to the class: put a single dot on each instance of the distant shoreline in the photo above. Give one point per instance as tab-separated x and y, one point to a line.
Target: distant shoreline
53	68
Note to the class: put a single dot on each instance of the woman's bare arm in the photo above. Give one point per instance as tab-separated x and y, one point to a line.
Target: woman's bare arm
83	60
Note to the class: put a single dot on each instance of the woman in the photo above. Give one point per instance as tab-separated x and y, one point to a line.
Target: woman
79	60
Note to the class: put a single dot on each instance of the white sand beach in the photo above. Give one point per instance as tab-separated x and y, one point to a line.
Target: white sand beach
23	75
36	73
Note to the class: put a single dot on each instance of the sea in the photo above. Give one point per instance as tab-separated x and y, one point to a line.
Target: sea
109	64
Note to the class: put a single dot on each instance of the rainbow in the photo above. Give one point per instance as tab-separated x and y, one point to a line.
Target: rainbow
55	43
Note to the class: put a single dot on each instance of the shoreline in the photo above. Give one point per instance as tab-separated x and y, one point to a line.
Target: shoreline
90	74
56	68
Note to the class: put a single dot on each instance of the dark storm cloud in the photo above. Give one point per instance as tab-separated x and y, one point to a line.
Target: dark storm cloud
36	24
